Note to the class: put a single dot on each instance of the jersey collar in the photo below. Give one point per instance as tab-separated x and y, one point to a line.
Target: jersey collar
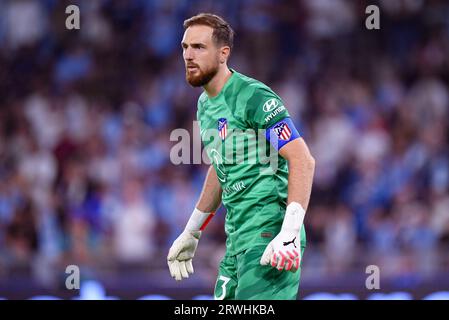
226	85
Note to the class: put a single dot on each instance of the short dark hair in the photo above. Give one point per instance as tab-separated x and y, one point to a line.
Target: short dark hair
222	34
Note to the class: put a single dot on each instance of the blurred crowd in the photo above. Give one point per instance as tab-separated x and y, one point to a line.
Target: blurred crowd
86	117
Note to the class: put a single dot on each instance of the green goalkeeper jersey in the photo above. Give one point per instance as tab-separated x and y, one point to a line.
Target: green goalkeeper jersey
252	175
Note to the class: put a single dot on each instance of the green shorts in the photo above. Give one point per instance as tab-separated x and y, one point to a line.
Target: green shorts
241	277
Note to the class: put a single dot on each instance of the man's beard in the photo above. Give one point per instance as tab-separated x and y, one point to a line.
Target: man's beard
202	78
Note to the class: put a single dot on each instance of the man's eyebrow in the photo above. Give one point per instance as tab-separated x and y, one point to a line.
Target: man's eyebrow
193	44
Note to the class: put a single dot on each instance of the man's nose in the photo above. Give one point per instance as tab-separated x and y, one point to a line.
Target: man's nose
188	54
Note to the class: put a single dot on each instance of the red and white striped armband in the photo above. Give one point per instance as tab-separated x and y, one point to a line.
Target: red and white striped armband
199	220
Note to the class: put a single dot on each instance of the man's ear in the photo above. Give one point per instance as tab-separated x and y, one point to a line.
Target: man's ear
224	54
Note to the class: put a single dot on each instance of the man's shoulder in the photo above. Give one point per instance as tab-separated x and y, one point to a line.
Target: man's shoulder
258	104
250	95
250	86
202	98
254	95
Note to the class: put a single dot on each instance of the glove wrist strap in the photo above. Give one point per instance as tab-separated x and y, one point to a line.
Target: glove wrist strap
199	220
294	217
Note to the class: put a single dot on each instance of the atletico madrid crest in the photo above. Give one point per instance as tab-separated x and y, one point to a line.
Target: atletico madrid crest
283	131
222	128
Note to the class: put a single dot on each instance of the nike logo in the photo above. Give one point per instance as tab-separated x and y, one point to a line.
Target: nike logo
288	242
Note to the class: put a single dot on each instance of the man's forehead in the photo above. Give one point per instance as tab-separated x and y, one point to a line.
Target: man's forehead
198	34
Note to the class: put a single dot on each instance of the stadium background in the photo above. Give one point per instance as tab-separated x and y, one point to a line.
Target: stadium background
86	116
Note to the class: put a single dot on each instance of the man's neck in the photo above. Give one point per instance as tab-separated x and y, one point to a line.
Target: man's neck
217	83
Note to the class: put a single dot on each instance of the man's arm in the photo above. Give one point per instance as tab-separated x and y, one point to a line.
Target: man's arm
301	167
283	252
183	249
210	197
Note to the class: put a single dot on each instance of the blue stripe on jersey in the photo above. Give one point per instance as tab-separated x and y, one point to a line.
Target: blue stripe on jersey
282	133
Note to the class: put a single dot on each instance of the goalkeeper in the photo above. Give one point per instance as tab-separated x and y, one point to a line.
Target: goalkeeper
265	236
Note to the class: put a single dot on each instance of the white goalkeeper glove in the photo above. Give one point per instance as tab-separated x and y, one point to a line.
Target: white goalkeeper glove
284	251
183	249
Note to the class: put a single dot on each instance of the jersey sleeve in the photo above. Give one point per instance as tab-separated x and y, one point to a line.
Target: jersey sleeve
266	111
